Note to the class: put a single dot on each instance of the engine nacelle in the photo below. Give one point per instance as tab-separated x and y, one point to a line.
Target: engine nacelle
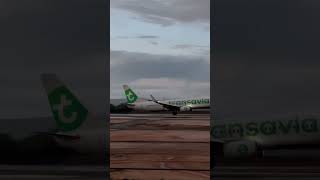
240	149
185	108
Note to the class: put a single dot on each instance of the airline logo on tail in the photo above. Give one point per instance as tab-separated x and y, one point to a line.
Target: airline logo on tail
131	96
67	111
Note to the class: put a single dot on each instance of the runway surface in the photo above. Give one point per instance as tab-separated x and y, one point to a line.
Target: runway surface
160	146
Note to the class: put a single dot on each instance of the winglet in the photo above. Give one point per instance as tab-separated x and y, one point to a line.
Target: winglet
153	99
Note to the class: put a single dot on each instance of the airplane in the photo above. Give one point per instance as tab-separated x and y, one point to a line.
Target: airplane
174	105
244	139
77	128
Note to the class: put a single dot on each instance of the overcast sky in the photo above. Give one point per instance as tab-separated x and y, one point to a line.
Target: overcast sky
160	47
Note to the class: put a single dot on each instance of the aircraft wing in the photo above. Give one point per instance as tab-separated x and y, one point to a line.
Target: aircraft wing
165	105
60	136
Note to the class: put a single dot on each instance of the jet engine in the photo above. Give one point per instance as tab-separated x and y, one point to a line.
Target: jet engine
185	108
241	149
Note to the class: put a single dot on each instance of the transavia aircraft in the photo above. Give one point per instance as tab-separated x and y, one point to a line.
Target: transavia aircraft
175	105
76	126
236	139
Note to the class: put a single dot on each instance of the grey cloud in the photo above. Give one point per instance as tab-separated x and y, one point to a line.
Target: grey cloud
130	65
137	37
155	20
122	37
154	43
195	49
187	46
167	12
147	37
127	67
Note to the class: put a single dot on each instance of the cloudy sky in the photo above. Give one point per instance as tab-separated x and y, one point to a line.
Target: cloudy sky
160	47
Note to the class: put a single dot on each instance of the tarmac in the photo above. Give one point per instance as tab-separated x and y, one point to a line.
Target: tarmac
160	146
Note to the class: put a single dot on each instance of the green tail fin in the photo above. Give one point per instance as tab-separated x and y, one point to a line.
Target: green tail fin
131	96
67	110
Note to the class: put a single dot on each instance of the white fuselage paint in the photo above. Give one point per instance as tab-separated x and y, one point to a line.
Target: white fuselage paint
193	103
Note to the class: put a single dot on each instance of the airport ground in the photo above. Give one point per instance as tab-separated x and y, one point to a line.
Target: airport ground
160	146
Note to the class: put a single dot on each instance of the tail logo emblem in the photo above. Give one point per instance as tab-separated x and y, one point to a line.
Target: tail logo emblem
130	96
59	108
68	112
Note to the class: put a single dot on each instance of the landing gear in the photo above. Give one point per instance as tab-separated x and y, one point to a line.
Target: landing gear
174	112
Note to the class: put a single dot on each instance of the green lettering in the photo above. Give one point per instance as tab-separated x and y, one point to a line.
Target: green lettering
218	131
296	126
285	128
252	129
309	125
235	129
268	128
